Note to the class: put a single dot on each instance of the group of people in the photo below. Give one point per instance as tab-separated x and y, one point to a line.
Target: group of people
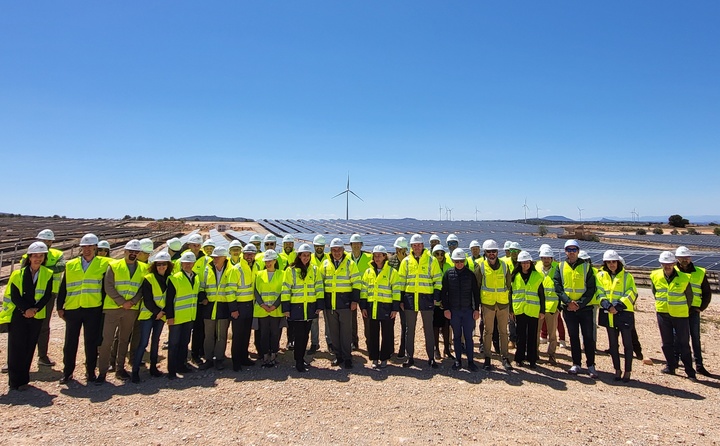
200	291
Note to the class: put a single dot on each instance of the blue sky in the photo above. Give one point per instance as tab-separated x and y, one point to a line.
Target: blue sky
261	109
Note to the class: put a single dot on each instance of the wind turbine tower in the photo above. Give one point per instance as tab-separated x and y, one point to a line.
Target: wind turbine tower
347	193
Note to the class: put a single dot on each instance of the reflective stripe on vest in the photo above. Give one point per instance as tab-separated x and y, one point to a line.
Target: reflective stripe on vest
304	293
84	288
379	288
670	297
186	297
696	280
551	297
269	291
158	297
494	286
17	278
340	279
525	295
125	285
573	282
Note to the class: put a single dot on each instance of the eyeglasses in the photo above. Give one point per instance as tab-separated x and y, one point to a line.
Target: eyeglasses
514	250
459	261
269	244
452	243
439	254
572	249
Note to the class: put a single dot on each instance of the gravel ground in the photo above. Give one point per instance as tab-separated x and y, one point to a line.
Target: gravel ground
362	406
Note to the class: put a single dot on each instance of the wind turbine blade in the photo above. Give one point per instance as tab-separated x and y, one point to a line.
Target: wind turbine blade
356	195
343	192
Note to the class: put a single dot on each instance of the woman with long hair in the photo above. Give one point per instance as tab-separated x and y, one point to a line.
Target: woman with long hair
268	308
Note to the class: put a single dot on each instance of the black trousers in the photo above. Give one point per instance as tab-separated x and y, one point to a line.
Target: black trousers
675	331
613	340
198	334
527	329
241	331
178	340
301	329
90	320
380	338
22	338
44	338
269	330
403	332
577	321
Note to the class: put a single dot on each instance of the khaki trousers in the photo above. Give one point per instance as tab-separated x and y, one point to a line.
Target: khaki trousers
490	312
551	322
123	321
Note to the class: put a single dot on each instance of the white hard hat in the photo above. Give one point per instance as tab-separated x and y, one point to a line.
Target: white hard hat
319	240
434	238
175	244
269	255
219	251
103	244
400	243
235	244
355	238
89	240
304	248
46	234
416	238
683	251
255	238
610	255
270	238
544	246
458	254
162	256
437	248
208	242
133	245
379	248
288	239
37	248
195	238
667	257
515	245
622	260
584	255
475	244
187	257
507	244
547	252
490	245
336	243
524	256
452	238
572	242
249	248
147	245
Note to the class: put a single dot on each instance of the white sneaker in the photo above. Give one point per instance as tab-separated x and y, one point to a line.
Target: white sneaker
562	344
592	372
543	340
574	370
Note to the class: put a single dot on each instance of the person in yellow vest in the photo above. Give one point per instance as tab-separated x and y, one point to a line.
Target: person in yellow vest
401	251
208	246
219	285
181	299
197	352
461	304
121	308
80	305
56	263
528	303
475	252
434	241
241	311
103	249
575	285
341	282
380	303
493	277
30	290
269	242
673	299
595	301
421	281
362	260
317	258
618	294
146	248
702	294
302	300
152	313
440	323
506	248
268	308
174	248
256	241
547	266
512	249
234	252
288	254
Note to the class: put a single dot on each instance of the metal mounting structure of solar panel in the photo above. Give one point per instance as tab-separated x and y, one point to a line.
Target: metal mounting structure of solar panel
243	236
185	237
218	238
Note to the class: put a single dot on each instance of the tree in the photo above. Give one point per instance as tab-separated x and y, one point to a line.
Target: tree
658	231
127	217
677	221
641	231
716	231
542	230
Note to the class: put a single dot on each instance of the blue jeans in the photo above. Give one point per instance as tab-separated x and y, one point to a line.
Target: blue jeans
462	324
150	325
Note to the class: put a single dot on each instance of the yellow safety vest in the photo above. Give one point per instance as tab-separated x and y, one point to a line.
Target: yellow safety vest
573	279
16	278
341	279
420	277
269	291
300	291
287	259
158	297
226	291
186	297
621	288
246	282
551	297
125	285
696	280
493	289
525	295
84	288
670	297
383	288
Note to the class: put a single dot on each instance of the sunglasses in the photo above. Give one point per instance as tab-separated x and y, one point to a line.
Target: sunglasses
571	250
491	251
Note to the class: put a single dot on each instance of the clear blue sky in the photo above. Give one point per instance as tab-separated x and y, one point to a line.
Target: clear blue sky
260	109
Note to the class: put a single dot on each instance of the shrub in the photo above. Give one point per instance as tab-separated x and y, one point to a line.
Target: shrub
542	230
692	231
716	231
658	231
640	231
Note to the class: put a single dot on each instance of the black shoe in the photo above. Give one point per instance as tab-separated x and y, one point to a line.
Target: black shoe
432	363
90	377
618	375
290	346
100	380
353	346
247	361
473	367
626	377
506	364
172	376
457	365
135	378
313	349
348	364
186	369
668	371
66	379
196	359
336	362
301	367
122	374
703	371
408	363
205	365
155	373
532	365
45	361
449	355
519	363
487	365
165	345
219	365
401	354
639	355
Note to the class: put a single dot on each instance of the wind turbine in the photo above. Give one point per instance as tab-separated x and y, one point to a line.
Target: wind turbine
476	213
525	208
347	193
580	211
449	213
441	209
537	212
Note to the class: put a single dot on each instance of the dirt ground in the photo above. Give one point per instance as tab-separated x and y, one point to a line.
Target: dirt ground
361	406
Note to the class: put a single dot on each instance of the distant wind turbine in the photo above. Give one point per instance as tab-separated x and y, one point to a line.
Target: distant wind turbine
580	211
476	213
449	211
525	208
347	193
537	212
441	209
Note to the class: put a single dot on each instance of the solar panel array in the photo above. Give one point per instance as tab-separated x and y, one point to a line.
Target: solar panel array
700	240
